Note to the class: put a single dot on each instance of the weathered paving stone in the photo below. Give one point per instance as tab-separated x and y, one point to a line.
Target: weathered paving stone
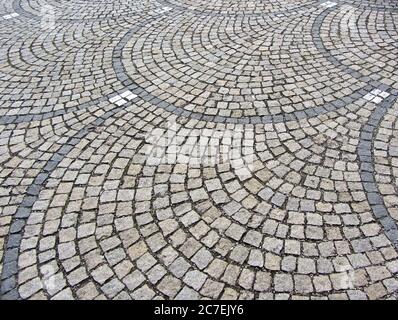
169	286
195	279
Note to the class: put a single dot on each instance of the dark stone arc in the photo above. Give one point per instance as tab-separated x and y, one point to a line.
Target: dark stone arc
179	111
366	160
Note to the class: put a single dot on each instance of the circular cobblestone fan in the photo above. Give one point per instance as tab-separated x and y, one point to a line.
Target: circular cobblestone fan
195	68
198	149
44	73
241	7
372	49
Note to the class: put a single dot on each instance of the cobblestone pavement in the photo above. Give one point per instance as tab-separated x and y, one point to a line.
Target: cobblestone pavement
188	149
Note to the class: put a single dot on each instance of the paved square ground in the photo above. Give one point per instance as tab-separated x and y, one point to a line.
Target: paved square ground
188	149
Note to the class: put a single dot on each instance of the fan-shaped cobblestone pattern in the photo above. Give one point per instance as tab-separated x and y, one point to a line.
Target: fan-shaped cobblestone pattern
277	76
198	149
